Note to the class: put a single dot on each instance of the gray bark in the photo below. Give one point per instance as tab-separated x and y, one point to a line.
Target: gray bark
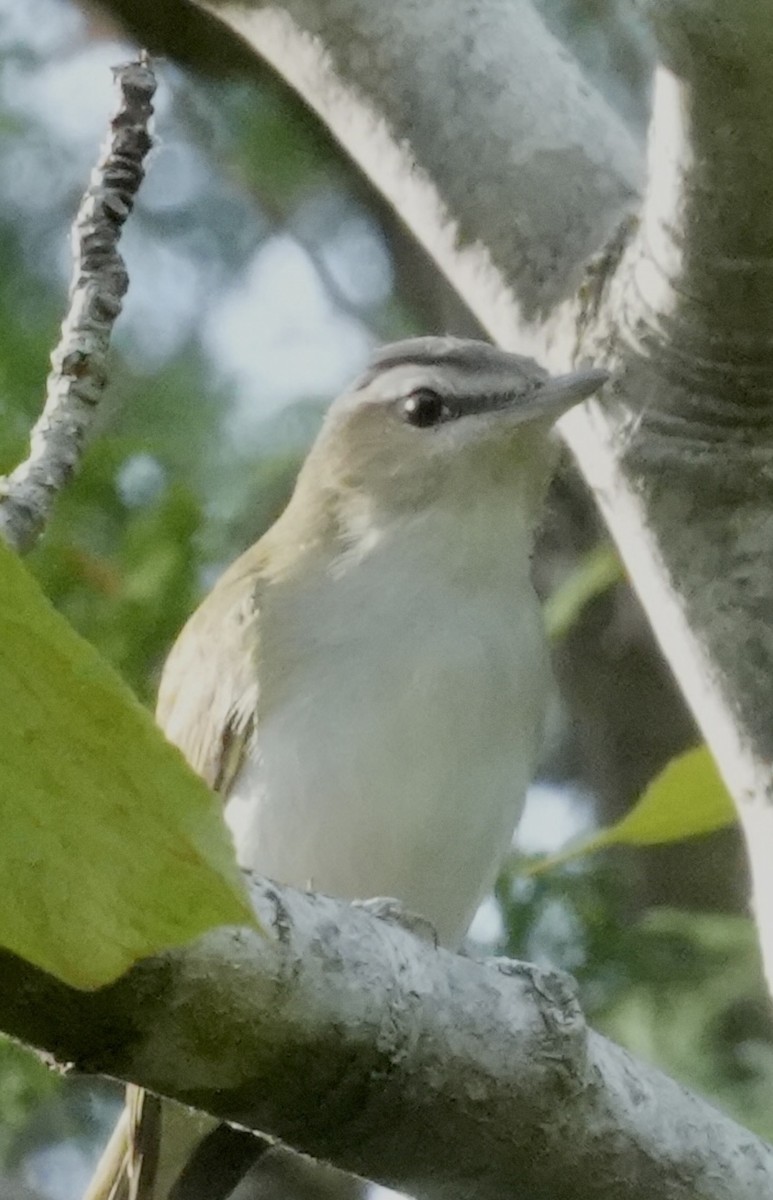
354	1041
534	199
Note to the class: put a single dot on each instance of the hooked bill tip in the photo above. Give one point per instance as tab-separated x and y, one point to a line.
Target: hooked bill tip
580	383
561	392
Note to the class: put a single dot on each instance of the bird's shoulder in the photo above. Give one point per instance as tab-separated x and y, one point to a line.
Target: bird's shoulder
208	693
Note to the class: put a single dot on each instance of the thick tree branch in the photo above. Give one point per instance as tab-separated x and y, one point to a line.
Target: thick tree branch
355	1042
683	469
513	173
480	130
98	286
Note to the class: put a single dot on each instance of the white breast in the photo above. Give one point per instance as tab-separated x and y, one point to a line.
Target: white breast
397	762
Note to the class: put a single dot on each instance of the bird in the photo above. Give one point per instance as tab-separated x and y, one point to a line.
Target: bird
365	687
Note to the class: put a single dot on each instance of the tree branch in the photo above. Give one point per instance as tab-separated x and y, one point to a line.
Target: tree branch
355	1042
514	173
98	286
683	467
511	216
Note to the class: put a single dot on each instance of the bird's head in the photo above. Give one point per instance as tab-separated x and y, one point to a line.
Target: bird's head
441	420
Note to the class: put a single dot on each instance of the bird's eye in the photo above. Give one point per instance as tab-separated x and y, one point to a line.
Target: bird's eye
424	407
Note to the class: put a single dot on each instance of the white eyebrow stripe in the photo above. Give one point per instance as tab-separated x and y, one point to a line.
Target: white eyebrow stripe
482	389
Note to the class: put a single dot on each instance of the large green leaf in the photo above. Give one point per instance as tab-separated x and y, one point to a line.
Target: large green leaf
111	848
688	798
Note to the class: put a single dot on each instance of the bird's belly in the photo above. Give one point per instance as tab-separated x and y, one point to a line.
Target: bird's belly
399	769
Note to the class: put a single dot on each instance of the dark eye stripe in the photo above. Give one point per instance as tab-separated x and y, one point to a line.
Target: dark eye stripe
471	405
425	407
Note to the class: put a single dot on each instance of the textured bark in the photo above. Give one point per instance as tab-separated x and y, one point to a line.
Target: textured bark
533	198
356	1042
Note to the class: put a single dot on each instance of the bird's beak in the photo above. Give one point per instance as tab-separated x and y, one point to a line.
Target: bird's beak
557	395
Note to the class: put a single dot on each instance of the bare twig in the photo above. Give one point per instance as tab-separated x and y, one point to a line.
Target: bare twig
98	286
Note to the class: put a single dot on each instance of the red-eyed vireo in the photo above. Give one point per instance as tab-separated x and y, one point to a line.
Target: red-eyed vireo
365	686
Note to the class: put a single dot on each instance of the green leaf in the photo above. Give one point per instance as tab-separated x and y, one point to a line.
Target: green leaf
111	848
596	571
686	800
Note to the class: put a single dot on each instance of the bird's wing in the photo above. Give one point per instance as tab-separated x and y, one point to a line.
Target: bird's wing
208	695
207	704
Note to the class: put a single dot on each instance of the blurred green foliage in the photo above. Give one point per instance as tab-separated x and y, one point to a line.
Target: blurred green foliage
696	1005
593	574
